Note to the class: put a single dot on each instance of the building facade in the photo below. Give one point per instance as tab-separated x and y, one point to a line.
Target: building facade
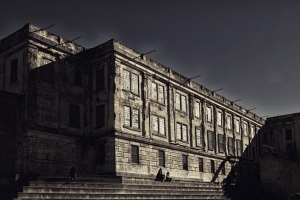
279	160
112	110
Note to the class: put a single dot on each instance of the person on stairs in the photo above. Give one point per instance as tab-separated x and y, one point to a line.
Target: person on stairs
160	176
168	177
72	173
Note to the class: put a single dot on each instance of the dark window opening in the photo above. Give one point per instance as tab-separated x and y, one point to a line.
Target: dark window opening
230	146
239	147
161	155
100	79
74	116
211	140
201	165
185	162
134	154
212	166
100	116
221	143
78	77
288	134
14	70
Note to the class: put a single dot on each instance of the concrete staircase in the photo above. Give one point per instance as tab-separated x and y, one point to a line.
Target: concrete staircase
52	187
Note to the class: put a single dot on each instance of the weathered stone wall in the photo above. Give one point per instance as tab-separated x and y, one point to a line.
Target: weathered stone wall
149	162
279	176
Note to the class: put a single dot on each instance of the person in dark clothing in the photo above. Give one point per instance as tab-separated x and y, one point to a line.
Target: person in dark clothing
160	176
72	173
168	177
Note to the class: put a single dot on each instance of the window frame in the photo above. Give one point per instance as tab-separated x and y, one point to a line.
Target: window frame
180	103
288	134
212	167
131	116
219	119
185	164
239	148
245	129
201	142
201	165
237	126
221	142
230	147
211	136
135	155
197	109
209	114
131	85
229	122
158	132
161	158
181	131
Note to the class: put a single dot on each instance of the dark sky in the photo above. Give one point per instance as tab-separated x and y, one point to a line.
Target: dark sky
249	48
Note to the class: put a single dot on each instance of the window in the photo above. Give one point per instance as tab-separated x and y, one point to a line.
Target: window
158	125
201	165
211	140
161	157
197	109
212	166
219	119
100	79
229	122
134	154
100	116
158	93
131	82
208	114
288	134
101	153
180	102
181	132
239	147
221	139
14	70
230	146
47	73
185	162
132	117
251	131
199	137
237	126
245	129
223	169
78	77
74	116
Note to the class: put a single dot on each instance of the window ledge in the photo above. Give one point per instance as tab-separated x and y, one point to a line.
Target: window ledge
157	102
159	135
131	128
131	92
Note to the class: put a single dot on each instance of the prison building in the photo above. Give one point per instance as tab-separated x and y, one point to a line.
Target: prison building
112	110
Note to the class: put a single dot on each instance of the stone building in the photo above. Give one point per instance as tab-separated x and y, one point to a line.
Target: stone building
280	169
112	110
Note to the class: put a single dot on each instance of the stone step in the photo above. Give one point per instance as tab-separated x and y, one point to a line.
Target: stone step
119	186
117	191
141	183
149	182
115	196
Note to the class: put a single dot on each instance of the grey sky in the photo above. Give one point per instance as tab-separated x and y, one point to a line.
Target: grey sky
249	48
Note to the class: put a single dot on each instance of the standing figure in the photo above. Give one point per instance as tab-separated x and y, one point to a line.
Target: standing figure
72	173
168	177
160	176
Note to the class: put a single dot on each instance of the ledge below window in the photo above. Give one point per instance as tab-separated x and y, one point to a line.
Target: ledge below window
131	128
